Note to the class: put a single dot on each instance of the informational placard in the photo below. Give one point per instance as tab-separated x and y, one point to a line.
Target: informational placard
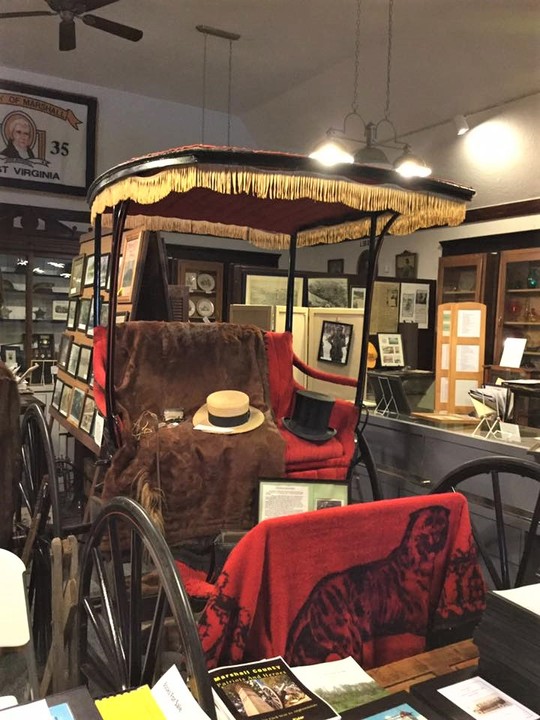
48	139
512	353
469	323
414	304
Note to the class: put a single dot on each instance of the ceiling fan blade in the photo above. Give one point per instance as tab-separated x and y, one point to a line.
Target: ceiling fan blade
90	5
67	35
35	13
123	31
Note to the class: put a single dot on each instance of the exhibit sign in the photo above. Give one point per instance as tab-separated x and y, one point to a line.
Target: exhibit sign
48	139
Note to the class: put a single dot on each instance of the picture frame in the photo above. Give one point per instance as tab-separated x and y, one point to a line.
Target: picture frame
73	362
99	427
87	418
65	400
85	305
71	321
89	269
285	496
76	405
90	324
271	289
104	314
60	310
397	705
190	279
57	393
406	265
64	351
122	317
12	355
335	342
77	276
104	271
85	360
390	350
128	275
327	292
358	297
335	266
59	143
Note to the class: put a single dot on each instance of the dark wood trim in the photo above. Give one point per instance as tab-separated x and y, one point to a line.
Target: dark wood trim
491	243
505	210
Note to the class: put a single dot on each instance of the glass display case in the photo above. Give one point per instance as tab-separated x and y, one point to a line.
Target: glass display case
461	278
205	284
518	304
33	311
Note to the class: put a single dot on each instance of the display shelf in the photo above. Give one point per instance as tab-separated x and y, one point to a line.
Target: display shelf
204	281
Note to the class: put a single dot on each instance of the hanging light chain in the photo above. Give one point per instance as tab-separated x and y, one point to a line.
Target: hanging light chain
357	56
229	95
203	122
389	57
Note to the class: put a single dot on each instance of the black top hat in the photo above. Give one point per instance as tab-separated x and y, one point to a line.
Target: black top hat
310	416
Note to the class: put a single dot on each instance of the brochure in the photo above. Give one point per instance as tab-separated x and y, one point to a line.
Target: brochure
482	699
268	688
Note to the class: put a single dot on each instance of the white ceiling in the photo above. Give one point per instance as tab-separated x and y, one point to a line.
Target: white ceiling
295	58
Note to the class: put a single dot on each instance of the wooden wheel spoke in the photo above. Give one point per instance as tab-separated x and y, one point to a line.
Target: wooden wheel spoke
102	636
96	671
120	591
135	607
156	631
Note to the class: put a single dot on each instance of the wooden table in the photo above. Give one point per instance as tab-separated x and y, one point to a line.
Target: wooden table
402	674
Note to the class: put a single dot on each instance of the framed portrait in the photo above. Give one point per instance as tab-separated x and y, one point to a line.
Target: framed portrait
64	351
85	358
191	281
71	320
12	355
57	393
84	314
77	404
271	290
335	342
328	292
104	314
283	496
65	400
77	276
335	266
129	268
89	270
406	265
48	139
390	350
73	362
87	417
358	297
60	310
104	271
90	324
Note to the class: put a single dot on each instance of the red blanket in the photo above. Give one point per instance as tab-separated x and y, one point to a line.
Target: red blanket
370	580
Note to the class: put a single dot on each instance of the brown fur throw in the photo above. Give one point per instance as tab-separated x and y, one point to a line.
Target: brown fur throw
208	482
10	452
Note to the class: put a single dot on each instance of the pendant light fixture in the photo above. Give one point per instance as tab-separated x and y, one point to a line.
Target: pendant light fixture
335	148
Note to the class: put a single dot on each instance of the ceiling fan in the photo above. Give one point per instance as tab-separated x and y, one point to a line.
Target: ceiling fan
69	10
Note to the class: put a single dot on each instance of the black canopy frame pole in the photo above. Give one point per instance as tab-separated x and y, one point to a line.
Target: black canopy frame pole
374	248
290	284
119	220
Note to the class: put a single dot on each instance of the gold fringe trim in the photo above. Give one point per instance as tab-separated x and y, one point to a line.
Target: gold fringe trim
417	210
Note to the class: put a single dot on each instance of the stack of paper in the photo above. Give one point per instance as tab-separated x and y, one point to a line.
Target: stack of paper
508	640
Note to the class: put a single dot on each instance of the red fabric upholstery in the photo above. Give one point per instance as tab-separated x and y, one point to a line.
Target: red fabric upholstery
329	460
99	356
370	580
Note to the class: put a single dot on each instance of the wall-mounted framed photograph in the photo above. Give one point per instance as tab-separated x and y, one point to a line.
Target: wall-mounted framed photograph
129	271
71	321
104	277
73	362
90	324
77	404
65	400
57	393
87	417
335	342
391	350
358	297
99	426
271	289
77	276
284	496
335	266
89	271
48	139
328	292
60	310
104	314
406	265
85	358
12	355
64	351
84	314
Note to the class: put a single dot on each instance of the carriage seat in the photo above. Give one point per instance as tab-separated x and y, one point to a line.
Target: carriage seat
303	459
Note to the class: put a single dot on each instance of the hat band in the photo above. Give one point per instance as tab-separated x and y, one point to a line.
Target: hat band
233	421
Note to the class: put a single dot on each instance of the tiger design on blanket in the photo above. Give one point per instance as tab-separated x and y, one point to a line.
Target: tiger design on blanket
385	597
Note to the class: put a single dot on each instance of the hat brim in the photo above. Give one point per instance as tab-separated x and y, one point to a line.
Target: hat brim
256	419
301	432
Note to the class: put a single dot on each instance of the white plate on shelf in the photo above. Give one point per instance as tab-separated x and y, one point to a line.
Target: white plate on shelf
206	282
205	307
192	308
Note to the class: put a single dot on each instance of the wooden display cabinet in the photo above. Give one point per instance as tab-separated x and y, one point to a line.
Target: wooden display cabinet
461	278
518	302
205	283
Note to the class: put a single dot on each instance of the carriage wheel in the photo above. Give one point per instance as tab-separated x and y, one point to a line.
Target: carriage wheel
38	463
131	600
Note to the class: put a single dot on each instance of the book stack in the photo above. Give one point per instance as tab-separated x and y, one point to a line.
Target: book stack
508	640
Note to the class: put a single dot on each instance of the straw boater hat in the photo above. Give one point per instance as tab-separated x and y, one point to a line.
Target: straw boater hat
230	410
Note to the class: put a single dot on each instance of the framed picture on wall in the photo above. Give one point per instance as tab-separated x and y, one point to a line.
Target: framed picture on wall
129	267
271	290
335	342
328	292
48	139
406	265
358	297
